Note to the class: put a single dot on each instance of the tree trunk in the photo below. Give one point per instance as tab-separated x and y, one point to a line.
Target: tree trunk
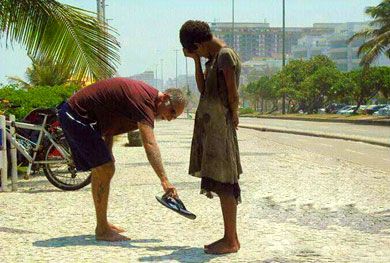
262	105
359	102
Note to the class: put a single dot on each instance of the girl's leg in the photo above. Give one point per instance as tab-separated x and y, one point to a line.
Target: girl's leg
229	243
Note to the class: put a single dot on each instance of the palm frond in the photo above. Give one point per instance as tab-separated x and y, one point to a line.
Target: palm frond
64	34
373	48
19	81
377	38
367	33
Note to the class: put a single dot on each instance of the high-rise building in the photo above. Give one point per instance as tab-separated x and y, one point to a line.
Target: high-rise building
335	45
260	40
149	78
310	46
344	54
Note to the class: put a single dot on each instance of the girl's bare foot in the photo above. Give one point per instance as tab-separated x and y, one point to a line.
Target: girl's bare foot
110	235
222	246
117	229
214	243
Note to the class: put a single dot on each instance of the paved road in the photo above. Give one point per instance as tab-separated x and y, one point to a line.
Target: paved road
381	133
299	205
377	157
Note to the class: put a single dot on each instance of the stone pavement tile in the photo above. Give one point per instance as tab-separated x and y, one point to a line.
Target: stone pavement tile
297	207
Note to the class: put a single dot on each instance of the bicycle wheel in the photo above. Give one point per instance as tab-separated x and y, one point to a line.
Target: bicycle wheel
62	174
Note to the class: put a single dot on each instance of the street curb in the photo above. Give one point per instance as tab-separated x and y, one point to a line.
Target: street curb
379	122
317	134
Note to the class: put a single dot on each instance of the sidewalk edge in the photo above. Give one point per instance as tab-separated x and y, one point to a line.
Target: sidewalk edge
317	134
378	122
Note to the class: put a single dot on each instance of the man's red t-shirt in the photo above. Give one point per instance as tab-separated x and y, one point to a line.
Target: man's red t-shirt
116	104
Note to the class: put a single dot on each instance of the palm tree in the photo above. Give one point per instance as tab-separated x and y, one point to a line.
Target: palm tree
377	36
43	72
64	34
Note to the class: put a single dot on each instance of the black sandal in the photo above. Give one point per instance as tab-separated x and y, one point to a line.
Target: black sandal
176	205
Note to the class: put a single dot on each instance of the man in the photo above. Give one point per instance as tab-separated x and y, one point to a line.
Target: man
91	118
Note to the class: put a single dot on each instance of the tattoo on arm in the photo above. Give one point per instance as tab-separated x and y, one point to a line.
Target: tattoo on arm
152	150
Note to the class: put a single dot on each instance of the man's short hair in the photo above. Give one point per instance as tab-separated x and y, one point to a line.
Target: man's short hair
177	97
194	31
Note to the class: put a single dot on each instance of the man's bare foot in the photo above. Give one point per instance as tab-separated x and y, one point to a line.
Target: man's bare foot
110	235
222	246
117	229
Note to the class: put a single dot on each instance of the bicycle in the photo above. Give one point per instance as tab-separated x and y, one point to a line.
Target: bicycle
50	151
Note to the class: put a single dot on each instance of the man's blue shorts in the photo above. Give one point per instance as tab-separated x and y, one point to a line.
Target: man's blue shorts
86	143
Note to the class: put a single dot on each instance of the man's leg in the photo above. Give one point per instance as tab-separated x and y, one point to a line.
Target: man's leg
229	243
101	177
109	141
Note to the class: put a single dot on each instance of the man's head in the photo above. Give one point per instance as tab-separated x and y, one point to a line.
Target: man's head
193	36
170	104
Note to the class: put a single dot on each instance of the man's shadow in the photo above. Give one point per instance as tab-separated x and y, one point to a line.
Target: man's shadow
89	240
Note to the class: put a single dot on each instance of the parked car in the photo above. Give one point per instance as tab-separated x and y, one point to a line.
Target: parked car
385	111
350	110
362	108
373	108
334	107
344	109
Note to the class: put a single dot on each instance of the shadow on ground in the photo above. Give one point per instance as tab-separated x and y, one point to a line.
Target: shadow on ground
179	254
16	231
256	154
37	191
140	164
89	240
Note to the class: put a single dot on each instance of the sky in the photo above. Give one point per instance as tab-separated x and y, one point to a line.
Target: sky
148	29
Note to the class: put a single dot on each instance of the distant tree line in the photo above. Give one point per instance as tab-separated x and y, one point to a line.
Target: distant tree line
309	85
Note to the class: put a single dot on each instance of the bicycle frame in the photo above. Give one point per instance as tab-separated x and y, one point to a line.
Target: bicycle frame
42	132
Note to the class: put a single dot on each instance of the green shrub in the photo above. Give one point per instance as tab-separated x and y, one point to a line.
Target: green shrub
19	102
246	111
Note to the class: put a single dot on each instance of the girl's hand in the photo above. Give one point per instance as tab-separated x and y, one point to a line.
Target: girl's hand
190	54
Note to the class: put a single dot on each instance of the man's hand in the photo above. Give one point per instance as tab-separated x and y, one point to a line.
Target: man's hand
190	54
169	189
235	120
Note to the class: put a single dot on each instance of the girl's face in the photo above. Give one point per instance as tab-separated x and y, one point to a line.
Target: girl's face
202	50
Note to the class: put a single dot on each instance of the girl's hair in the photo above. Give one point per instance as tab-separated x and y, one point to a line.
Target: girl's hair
194	31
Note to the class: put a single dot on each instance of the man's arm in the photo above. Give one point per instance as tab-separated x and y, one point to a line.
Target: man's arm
154	156
233	97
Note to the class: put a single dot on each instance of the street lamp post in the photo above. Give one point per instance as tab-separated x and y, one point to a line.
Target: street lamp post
176	50
162	74
156	80
233	46
284	56
101	10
